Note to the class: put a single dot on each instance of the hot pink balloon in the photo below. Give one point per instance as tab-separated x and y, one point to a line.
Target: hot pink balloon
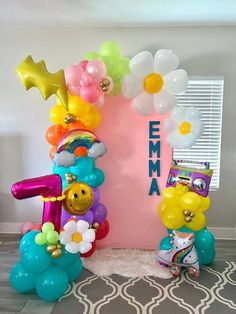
47	186
90	93
97	69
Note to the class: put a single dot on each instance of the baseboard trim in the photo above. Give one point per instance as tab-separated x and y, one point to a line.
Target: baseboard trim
223	233
10	227
219	233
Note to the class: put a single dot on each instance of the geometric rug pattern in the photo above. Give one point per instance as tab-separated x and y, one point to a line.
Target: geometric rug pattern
213	293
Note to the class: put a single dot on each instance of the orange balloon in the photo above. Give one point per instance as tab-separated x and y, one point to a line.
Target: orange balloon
81	151
52	151
54	134
77	125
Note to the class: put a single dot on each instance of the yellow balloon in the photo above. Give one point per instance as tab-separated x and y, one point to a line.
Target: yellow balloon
57	115
198	222
205	204
78	107
172	217
161	207
171	196
191	201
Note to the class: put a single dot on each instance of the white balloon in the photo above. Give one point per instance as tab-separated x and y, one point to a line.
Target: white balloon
142	64
193	114
165	61
72	247
143	104
178	114
64	237
169	126
70	227
131	86
176	140
84	246
89	235
82	226
164	102
176	82
197	128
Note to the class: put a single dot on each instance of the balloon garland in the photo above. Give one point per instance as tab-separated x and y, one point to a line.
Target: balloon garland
73	217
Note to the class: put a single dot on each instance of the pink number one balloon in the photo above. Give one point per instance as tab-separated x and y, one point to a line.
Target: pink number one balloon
47	186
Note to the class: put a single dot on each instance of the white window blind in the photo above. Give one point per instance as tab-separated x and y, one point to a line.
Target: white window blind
206	94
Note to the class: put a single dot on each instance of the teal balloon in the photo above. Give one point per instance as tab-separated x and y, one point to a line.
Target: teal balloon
66	259
52	284
20	279
95	179
75	269
61	171
204	239
165	244
36	259
206	257
83	166
27	240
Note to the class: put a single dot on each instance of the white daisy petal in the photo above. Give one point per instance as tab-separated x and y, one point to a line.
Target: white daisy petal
197	128
164	102
176	82
84	246
142	64
131	86
82	226
176	140
89	235
165	61
178	114
170	126
193	114
70	226
143	104
72	247
64	237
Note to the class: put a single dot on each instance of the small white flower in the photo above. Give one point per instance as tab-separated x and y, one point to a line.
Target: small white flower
183	127
77	237
153	82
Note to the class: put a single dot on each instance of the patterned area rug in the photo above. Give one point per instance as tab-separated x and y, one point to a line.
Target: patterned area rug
213	293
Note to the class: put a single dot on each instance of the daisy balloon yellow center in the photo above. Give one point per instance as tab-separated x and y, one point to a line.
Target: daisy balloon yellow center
185	128
77	237
153	83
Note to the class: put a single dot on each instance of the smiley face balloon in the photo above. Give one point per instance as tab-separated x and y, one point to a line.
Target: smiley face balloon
78	198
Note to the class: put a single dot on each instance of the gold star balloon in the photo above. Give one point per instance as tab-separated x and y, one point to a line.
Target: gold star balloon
33	74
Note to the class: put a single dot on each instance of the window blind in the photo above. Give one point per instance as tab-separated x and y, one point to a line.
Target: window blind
205	93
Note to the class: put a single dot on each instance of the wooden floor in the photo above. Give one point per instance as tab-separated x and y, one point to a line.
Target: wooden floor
13	302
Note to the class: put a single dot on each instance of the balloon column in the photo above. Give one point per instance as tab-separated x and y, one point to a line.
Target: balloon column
182	211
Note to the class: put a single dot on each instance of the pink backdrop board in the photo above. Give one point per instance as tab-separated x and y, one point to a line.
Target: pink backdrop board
132	213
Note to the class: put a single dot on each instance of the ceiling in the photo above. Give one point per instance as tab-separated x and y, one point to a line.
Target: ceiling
112	13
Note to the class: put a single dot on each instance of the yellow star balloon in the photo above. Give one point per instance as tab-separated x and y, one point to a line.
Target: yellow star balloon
33	74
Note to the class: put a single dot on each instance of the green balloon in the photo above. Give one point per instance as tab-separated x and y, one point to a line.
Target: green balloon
52	237
47	227
91	56
40	238
110	48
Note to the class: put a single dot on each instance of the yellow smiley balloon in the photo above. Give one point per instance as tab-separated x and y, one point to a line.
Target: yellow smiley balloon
78	198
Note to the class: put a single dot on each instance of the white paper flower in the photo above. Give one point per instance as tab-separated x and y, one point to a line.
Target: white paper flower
153	82
183	127
76	236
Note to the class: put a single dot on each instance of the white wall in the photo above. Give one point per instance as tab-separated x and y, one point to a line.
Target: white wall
25	116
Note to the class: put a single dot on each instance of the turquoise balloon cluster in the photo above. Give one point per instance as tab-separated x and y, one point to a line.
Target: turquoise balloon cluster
204	244
37	269
84	170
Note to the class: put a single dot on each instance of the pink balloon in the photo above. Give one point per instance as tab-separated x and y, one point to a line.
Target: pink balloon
86	79
74	90
96	68
47	186
91	93
72	75
83	64
26	227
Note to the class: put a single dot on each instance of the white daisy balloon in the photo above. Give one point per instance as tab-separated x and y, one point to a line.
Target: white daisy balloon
76	236
154	82
183	127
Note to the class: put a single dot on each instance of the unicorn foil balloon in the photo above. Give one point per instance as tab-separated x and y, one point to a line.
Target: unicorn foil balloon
182	254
